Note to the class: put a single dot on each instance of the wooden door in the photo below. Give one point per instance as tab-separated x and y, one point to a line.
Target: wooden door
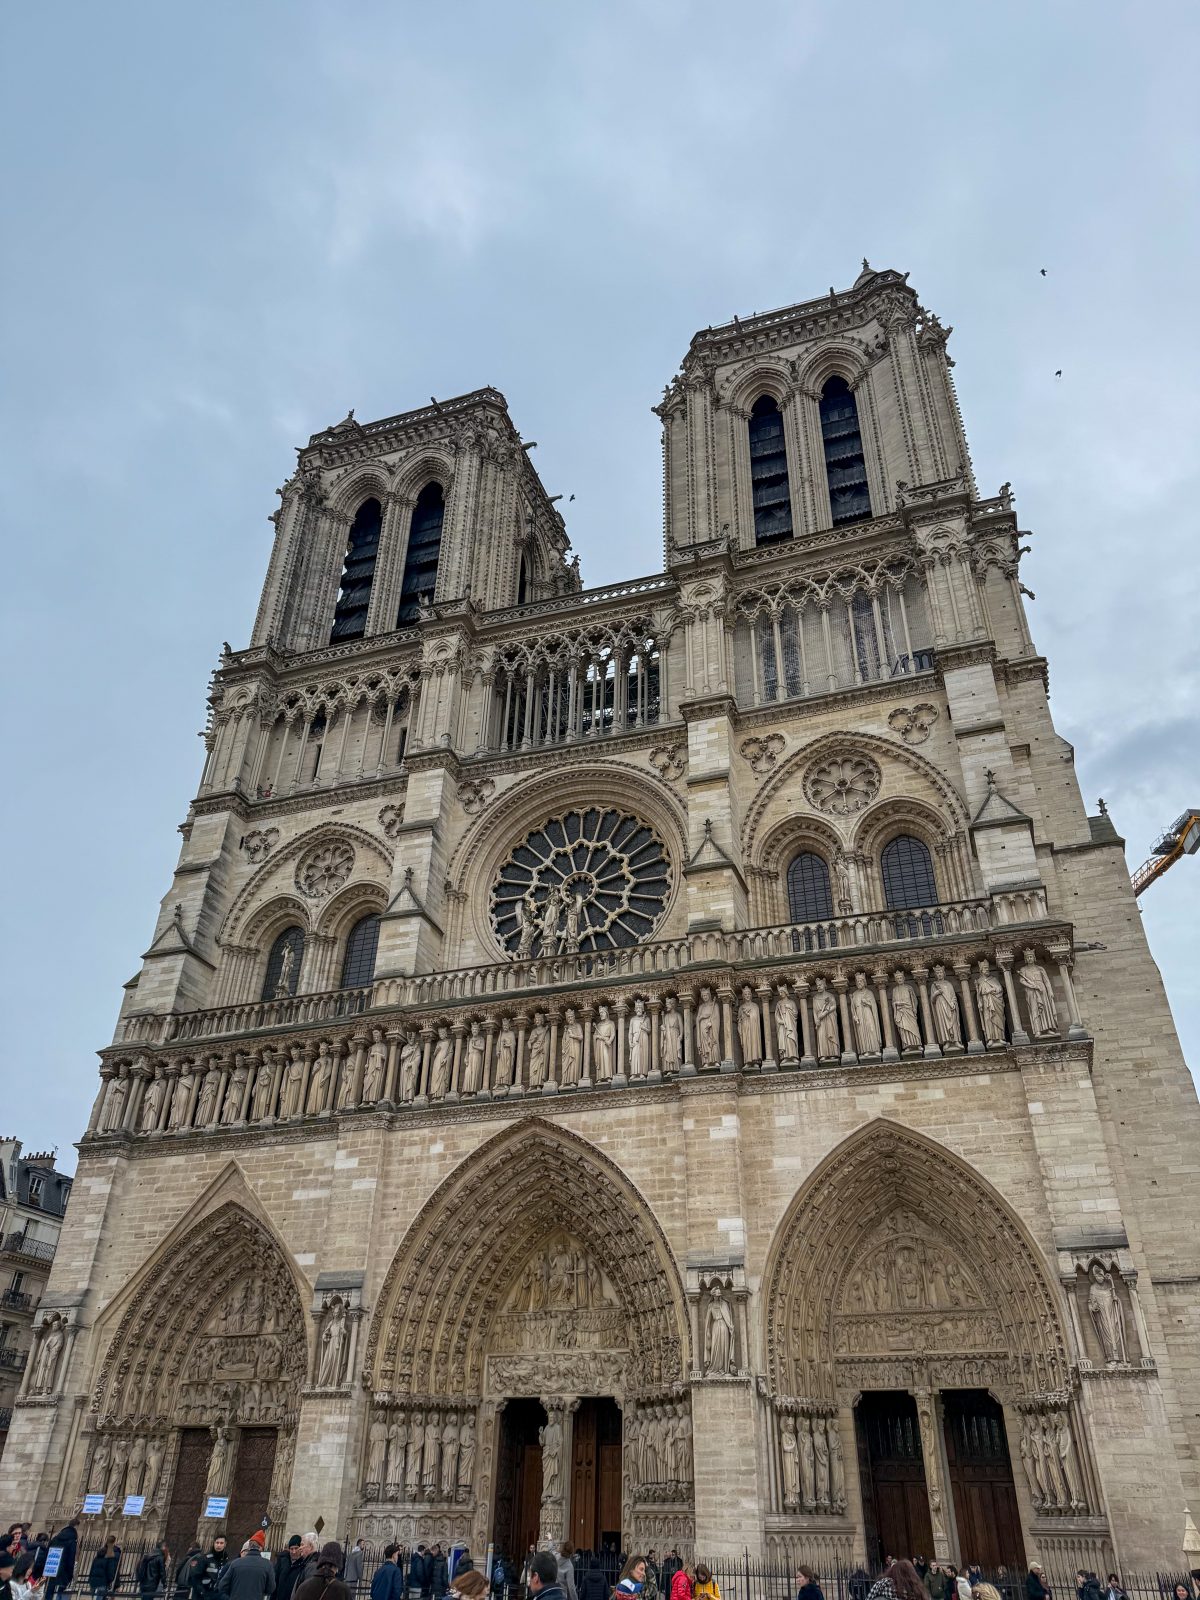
981	1479
585	1472
892	1469
251	1487
187	1490
528	1507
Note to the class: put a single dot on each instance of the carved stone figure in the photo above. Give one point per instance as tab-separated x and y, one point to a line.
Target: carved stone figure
334	1335
220	1465
449	1458
156	1449
568	941
791	1465
506	1055
604	1046
263	1097
989	994
526	925
808	1463
551	1437
1066	1461
639	1041
156	1093
206	1105
821	1459
837	1466
904	1011
101	1456
708	1029
376	1069
443	1062
287	966
397	1449
539	1050
572	1047
1031	1461
114	1106
943	1003
825	1019
377	1452
864	1013
787	1023
430	1456
1056	1483
319	1082
416	1444
1108	1316
670	1036
136	1467
466	1452
293	1085
473	1069
45	1365
231	1110
410	1067
749	1026
1039	997
718	1335
548	923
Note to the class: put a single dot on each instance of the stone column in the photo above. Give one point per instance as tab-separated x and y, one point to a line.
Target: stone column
879	977
728	1059
688	1000
929	1415
621	1013
394	1038
770	1062
1060	954
654	1007
551	1084
932	1048
849	1054
809	1058
962	971
585	1075
1004	960
107	1073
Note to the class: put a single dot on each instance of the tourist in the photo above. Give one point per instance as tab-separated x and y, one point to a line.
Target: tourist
469	1585
1087	1586
807	1586
355	1557
251	1576
706	1586
324	1584
185	1573
632	1579
921	1565
6	1572
974	1573
566	1570
388	1581
984	1591
1036	1587
682	1582
439	1572
543	1575
66	1540
418	1571
1114	1589
935	1581
899	1582
102	1574
962	1584
152	1571
593	1585
289	1568
23	1585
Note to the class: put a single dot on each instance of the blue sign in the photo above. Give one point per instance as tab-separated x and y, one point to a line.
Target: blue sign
135	1504
53	1561
93	1505
216	1506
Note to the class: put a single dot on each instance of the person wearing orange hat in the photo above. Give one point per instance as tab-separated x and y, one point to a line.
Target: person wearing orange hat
251	1576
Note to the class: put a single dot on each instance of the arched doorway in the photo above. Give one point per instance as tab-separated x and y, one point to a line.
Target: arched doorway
911	1327
198	1392
536	1297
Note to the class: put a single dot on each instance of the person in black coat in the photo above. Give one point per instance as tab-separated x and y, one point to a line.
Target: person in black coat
183	1578
1036	1587
1087	1586
807	1587
66	1540
152	1572
418	1571
102	1574
439	1572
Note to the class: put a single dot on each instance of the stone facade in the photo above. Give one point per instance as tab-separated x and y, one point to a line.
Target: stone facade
760	1036
33	1198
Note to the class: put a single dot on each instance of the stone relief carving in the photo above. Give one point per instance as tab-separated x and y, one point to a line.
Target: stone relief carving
908	1271
391	820
1039	997
419	1455
324	869
813	1464
762	753
658	1452
474	794
259	843
1108	1315
333	1343
51	1338
841	785
669	760
913	724
582	1373
1047	1450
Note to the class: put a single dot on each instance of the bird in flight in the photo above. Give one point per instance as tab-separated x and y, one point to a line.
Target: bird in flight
1058	374
1043	272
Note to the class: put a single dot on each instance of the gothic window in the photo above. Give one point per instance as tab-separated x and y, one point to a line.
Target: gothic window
358	964
845	465
810	900
908	879
769	473
350	617
283	965
421	560
522	581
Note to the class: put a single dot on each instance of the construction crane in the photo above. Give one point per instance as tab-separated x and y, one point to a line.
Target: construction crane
1182	838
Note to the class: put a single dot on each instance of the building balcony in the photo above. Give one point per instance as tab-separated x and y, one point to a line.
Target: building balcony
18	1246
5	1418
11	1359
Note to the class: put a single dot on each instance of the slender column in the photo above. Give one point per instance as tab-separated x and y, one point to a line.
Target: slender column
1061	956
197	1076
809	1058
309	1056
518	1083
831	675
458	1030
336	1053
347	718
260	757
140	1074
777	639
164	1115
725	996
550	734
799	614
1004	960
386	740
303	727
937	1489
527	729
840	987
962	971
490	1029
890	1053
551	1084
421	1097
932	1047
279	758
912	662
769	1061
621	1012
858	677
219	1102
508	687
954	611
759	670
253	1068
585	1078
394	1038
879	638
688	1069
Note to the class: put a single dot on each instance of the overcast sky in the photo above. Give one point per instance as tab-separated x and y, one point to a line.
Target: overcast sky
227	224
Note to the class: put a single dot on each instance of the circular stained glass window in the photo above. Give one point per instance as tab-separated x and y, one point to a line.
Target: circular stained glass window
587	880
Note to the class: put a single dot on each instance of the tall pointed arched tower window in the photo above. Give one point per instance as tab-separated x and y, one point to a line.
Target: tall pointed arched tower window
424	545
845	466
358	573
769	473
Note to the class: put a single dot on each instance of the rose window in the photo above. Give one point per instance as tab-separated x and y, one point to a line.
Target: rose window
584	881
324	869
842	785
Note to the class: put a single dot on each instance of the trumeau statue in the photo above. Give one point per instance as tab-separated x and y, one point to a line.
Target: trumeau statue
718	1335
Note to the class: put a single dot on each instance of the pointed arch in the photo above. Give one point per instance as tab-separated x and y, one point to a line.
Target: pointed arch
468	1242
197	1271
882	1173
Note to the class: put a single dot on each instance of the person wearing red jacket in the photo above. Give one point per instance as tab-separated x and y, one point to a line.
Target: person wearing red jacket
683	1583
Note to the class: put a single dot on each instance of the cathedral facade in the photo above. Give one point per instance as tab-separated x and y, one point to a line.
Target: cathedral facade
667	1063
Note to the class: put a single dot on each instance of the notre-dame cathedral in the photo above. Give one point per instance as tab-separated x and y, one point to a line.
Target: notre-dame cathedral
667	1063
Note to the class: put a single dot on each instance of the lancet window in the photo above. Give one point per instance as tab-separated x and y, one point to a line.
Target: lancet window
358	963
909	886
578	688
421	558
770	490
810	900
283	965
845	464
358	573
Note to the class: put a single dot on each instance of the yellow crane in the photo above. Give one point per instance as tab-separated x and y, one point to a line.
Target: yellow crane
1182	838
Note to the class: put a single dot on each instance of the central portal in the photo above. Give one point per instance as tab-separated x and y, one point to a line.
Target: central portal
518	1513
595	1520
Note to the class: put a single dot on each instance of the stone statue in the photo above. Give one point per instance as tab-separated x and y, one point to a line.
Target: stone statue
639	1041
943	1003
904	1010
181	1097
1039	997
864	1013
670	1036
136	1467
548	925
334	1335
466	1452
410	1067
319	1082
1108	1316
412	1476
349	1084
506	1054
152	1105
231	1110
837	1466
708	1029
749	1027
825	1018
791	1465
989	993
114	1106
116	1470
808	1467
841	872
287	966
377	1452
539	1050
1059	1493
718	1335
101	1456
572	1047
604	1042
443	1061
45	1366
156	1449
1066	1461
397	1450
263	1099
220	1463
293	1085
820	1441
376	1069
551	1437
526	911
568	940
1030	1460
473	1071
430	1456
787	1015
206	1105
449	1458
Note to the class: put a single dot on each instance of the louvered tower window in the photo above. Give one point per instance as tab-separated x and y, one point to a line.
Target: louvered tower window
908	879
845	466
283	965
769	473
358	964
354	597
421	561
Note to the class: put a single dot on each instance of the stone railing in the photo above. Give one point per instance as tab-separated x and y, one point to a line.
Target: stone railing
251	1016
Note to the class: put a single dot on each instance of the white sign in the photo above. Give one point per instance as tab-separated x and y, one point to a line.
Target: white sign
135	1504
53	1561
93	1505
216	1506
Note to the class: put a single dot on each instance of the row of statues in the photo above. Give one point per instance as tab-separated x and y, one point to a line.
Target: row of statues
658	1445
553	924
814	1470
612	1042
420	1455
1051	1469
121	1466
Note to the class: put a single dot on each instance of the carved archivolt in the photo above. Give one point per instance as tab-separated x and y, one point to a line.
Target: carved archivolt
897	1249
232	1350
449	1292
364	852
